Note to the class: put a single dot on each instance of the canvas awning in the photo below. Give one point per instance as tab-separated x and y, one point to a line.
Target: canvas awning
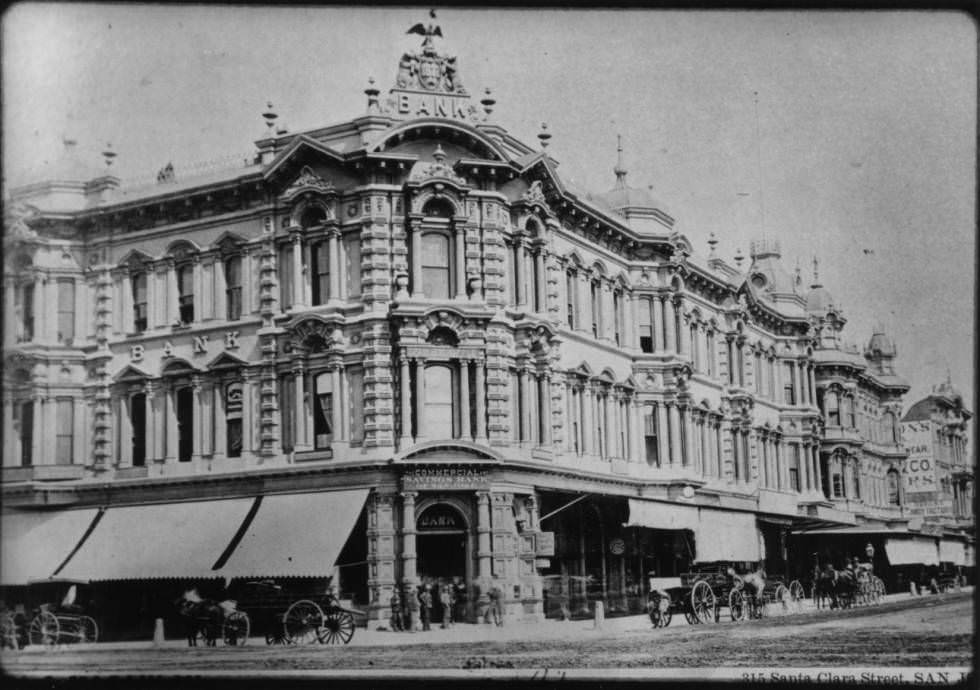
659	515
912	551
168	540
952	552
296	535
727	536
34	544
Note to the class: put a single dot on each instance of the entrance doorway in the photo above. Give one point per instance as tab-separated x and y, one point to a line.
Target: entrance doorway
442	544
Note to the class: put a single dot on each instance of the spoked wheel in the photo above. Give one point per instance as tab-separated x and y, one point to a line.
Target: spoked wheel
44	629
703	602
796	594
88	629
302	621
781	599
736	605
236	628
338	626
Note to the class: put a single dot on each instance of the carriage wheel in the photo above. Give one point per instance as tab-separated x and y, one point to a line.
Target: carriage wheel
796	594
736	605
660	613
44	629
781	599
8	632
88	629
879	589
302	621
338	626
703	602
235	629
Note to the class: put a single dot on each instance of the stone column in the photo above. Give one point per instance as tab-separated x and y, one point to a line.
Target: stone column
483	550
336	411
154	430
528	273
248	420
173	296
410	578
670	325
542	283
481	403
819	472
588	427
122	411
657	326
465	413
460	256
699	468
11	458
685	334
217	410
544	383
298	277
663	442
405	380
801	395
813	384
221	288
333	250
198	406
675	435
248	290
416	260
584	302
638	421
40	453
520	296
299	402
420	434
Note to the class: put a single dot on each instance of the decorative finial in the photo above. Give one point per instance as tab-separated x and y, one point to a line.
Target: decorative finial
712	242
439	155
108	154
544	135
619	170
427	32
488	103
816	275
739	258
270	116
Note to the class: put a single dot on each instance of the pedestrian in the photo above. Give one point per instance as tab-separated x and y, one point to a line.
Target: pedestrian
396	611
425	607
459	601
496	594
446	599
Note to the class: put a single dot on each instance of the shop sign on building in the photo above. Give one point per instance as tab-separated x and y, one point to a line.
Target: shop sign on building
920	468
545	544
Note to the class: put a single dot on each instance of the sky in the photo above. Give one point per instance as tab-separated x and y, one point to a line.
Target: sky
848	136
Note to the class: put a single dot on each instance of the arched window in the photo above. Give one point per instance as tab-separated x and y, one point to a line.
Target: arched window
323	402
833	409
436	265
849	411
646	324
894	494
185	291
140	314
439	398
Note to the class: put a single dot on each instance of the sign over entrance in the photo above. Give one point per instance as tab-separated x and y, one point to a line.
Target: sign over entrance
440	517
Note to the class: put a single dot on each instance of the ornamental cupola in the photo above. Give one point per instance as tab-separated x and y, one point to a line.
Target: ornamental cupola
638	206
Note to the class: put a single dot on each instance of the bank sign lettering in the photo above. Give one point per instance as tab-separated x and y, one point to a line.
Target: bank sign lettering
417	104
920	468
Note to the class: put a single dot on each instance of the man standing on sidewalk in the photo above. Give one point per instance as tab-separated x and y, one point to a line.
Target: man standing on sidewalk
494	611
446	599
425	607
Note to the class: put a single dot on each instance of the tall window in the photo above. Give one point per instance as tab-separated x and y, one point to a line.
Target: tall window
515	257
323	402
284	265
646	328
185	423
27	311
856	480
617	315
650	436
355	378
66	310
439	395
731	362
287	397
735	453
26	419
517	407
320	258
233	418
740	362
891	428
894	497
709	353
771	377
352	254
185	291
837	479
833	409
594	293
140	321
435	265
757	372
794	467
570	297
695	350
536	279
789	390
64	431
233	287
849	412
137	419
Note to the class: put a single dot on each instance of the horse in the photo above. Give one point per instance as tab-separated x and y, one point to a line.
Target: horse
201	616
824	582
753	583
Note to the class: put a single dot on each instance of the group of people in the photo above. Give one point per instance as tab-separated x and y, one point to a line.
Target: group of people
451	599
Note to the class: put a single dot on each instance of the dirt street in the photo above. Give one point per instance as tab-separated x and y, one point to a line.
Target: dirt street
931	631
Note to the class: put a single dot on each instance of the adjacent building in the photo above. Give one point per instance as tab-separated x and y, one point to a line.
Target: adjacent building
404	350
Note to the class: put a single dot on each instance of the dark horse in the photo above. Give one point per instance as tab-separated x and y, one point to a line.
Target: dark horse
201	616
838	587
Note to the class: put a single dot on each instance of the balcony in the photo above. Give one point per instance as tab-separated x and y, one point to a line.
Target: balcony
842	434
42	473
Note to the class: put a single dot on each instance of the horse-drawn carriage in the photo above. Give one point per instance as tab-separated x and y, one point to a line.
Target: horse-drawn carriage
59	622
700	596
853	586
266	609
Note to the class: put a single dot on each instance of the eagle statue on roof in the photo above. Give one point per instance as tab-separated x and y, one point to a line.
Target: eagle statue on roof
427	31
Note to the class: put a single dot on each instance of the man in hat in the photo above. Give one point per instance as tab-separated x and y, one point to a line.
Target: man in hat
425	606
396	611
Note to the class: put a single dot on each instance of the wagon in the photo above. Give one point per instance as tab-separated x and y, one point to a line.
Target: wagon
62	623
284	616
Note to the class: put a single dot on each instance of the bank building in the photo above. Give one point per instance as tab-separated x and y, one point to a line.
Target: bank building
405	350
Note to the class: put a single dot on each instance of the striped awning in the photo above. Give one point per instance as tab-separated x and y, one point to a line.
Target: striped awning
35	544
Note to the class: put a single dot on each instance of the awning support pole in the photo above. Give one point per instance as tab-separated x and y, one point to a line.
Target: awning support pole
567	505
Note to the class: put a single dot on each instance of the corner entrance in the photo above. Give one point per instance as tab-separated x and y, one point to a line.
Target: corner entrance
443	548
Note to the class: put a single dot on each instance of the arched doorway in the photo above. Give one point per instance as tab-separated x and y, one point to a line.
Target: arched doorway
444	553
